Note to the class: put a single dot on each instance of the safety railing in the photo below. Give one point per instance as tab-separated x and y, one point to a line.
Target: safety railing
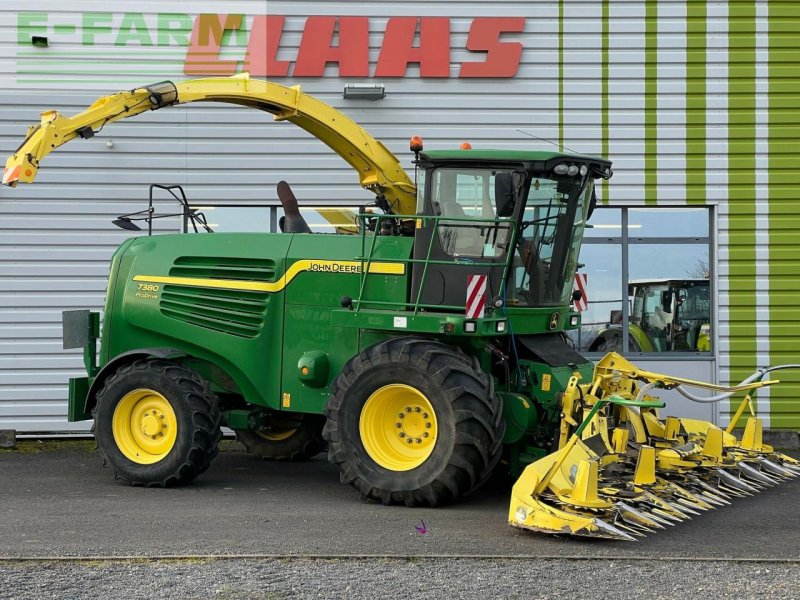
415	304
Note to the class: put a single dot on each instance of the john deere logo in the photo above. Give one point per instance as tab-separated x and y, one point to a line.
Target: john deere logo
328	266
554	319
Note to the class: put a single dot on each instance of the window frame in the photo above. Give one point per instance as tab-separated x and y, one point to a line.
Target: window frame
625	240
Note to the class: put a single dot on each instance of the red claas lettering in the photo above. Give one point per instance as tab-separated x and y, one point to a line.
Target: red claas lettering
343	43
261	59
432	54
502	58
317	49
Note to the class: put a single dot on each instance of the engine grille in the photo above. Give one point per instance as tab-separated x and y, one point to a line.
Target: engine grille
235	312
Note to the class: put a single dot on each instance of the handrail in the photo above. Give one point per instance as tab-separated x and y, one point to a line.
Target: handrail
416	304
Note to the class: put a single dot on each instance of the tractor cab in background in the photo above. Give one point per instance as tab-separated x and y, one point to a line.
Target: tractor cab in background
666	315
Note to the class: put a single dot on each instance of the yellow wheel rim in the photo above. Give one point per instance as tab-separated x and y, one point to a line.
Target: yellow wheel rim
276	435
145	427
398	427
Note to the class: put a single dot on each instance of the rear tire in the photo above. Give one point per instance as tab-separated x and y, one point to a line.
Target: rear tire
290	437
156	424
439	390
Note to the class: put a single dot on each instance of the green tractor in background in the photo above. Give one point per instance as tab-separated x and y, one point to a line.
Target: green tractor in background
666	315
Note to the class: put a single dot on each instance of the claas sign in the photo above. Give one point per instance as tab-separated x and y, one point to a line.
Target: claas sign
344	41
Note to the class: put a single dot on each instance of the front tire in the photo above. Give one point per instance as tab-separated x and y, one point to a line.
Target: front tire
414	421
157	423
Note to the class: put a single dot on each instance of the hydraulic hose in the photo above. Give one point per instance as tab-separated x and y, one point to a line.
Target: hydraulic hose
754	377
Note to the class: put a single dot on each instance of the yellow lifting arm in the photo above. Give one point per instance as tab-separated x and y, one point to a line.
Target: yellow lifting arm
378	169
613	364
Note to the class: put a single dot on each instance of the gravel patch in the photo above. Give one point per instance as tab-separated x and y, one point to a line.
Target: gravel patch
397	578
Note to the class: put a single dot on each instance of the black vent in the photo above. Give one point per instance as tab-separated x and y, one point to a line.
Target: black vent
210	267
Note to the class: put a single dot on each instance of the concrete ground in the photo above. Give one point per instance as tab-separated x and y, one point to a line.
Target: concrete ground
60	502
63	502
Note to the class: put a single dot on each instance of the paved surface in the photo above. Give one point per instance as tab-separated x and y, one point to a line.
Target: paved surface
421	579
63	503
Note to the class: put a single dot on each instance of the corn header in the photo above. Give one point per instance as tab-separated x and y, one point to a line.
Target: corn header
424	352
621	471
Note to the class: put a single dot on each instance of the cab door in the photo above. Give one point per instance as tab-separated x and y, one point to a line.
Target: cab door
466	239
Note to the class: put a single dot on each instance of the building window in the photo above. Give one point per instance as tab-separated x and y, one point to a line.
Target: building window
649	280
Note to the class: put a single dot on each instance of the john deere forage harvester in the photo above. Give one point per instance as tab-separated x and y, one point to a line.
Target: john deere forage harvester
425	350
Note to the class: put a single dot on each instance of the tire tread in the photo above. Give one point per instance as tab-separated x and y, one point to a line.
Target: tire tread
474	403
205	415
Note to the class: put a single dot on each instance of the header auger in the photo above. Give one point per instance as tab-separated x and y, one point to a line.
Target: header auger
621	471
424	351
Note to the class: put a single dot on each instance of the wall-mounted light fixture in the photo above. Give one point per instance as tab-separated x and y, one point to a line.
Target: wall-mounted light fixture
364	92
39	41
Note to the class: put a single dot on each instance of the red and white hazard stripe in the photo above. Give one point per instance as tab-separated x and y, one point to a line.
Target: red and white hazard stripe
476	296
580	285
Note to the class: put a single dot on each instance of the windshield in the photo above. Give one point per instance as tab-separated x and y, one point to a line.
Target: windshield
694	302
553	224
479	194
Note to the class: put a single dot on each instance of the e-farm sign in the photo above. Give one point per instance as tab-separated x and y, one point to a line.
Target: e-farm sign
130	45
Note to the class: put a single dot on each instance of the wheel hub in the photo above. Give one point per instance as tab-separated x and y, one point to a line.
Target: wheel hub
153	424
145	426
413	425
398	427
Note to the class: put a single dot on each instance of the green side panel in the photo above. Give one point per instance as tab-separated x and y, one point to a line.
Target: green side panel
696	16
784	223
113	276
741	189
520	416
312	298
239	331
532	422
76	405
651	102
547	391
537	320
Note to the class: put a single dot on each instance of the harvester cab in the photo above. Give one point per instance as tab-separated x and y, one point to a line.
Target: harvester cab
511	221
423	352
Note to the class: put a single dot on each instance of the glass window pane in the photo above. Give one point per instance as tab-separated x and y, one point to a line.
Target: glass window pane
479	194
605	223
256	219
329	219
603	268
551	237
230	219
670	298
667	222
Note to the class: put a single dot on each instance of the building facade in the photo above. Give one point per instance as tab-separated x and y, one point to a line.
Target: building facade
694	101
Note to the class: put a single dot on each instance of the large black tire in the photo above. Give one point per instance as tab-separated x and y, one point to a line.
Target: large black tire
290	437
470	426
196	416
